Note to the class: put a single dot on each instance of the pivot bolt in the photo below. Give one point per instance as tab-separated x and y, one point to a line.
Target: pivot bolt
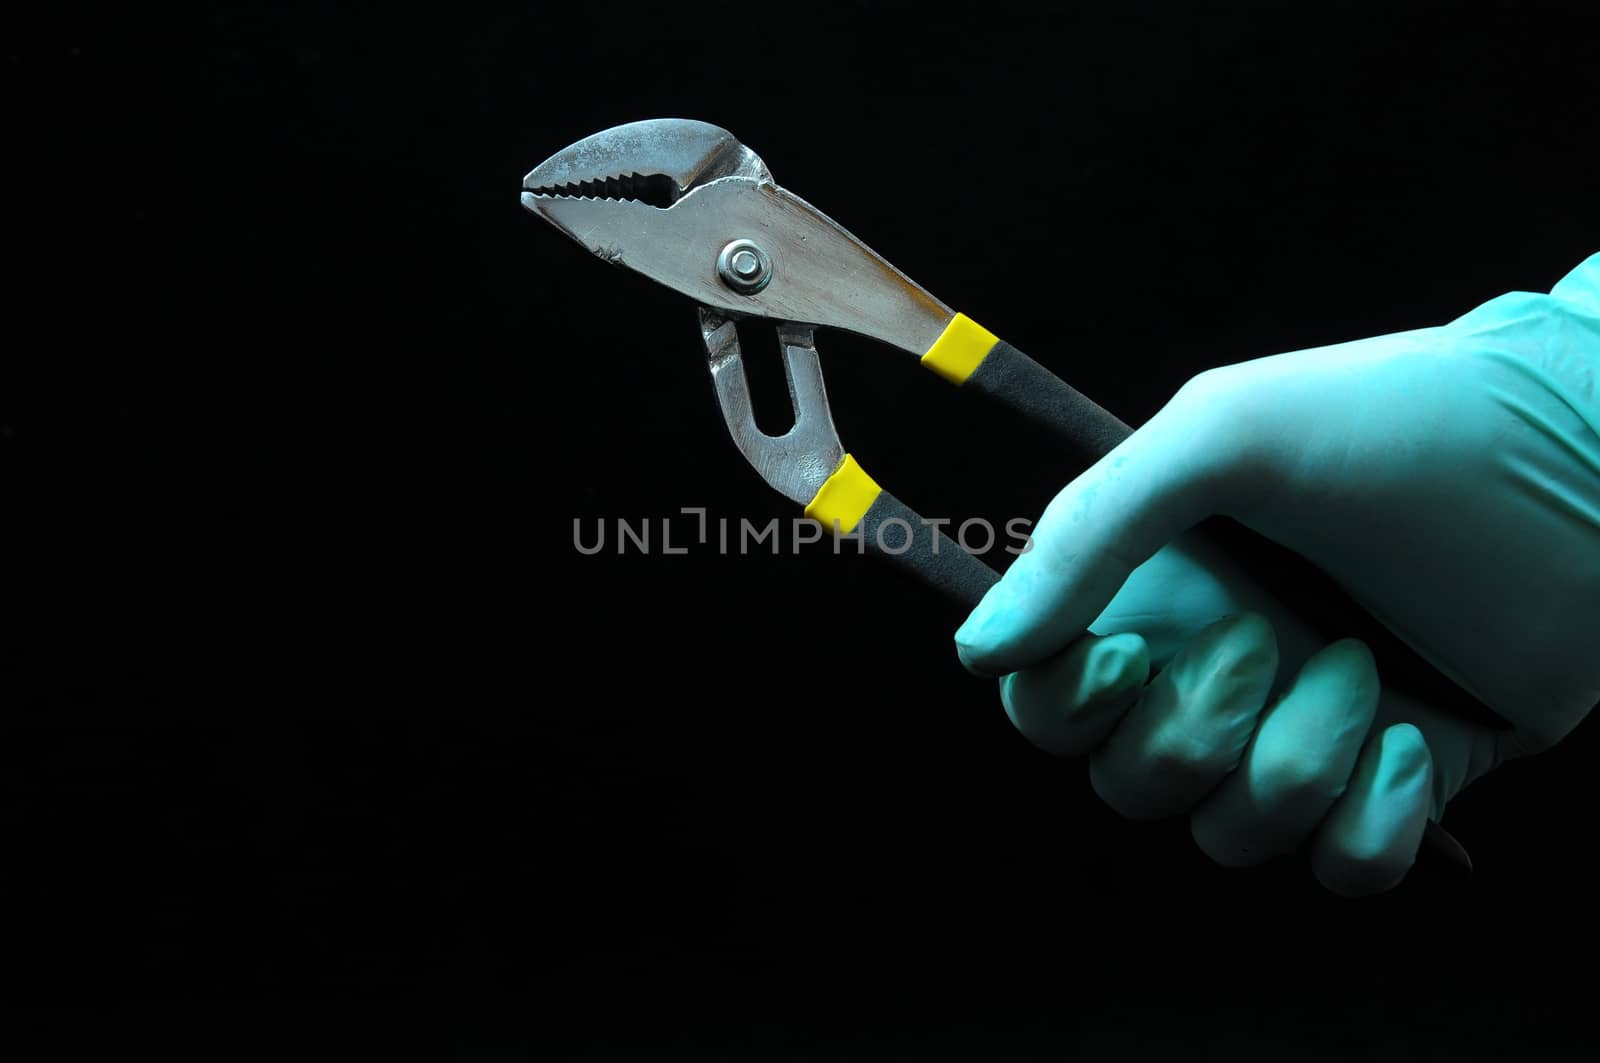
744	267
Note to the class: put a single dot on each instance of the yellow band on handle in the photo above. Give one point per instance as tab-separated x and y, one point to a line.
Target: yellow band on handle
960	349
843	497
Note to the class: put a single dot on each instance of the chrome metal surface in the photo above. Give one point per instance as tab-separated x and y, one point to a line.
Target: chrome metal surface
685	152
796	463
717	191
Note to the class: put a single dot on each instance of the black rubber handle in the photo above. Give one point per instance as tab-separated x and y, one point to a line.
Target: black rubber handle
1089	431
893	531
1018	382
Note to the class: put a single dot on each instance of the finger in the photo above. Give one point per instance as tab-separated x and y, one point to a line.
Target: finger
1461	750
1297	764
1147	491
1066	705
1192	723
1369	840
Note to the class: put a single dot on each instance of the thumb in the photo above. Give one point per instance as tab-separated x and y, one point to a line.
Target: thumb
1146	492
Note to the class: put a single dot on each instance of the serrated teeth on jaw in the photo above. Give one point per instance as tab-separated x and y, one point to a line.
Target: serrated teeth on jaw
657	190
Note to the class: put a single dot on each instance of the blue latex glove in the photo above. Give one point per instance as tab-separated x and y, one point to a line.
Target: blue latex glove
1448	478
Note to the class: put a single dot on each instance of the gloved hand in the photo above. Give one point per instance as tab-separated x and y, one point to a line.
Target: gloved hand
1448	478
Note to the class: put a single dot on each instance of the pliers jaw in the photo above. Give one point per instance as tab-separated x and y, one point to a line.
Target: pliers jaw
608	190
677	154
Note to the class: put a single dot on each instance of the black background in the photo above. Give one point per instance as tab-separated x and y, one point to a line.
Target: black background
322	739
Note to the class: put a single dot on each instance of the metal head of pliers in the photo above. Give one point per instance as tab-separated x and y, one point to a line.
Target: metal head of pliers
687	205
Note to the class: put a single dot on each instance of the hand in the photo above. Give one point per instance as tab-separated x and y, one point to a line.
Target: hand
1448	478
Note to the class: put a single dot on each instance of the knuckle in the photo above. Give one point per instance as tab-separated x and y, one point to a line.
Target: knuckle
1250	641
1177	753
1206	388
1230	668
1224	417
1298	779
1359	660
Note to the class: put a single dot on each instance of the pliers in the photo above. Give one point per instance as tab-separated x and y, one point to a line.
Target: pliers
687	205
